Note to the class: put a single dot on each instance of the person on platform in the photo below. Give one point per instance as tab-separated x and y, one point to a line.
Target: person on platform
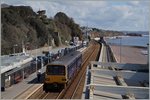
39	75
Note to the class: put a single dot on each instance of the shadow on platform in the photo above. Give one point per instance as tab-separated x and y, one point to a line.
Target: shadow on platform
35	80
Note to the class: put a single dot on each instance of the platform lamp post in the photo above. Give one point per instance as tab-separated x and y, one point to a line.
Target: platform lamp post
42	62
14	47
48	50
148	54
36	59
120	49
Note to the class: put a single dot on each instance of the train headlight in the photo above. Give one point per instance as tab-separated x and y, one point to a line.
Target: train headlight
63	79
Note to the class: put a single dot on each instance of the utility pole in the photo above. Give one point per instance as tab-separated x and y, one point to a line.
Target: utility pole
87	32
23	47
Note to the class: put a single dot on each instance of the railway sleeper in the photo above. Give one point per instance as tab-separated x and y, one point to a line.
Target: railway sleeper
54	87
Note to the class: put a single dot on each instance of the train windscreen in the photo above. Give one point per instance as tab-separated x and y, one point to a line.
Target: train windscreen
55	70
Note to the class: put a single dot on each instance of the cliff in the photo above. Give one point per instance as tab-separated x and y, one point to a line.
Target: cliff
21	25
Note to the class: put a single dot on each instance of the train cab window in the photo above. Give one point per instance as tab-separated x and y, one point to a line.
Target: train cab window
55	70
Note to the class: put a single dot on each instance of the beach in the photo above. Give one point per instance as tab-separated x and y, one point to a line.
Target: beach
129	54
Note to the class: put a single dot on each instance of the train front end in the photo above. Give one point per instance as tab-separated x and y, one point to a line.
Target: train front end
55	77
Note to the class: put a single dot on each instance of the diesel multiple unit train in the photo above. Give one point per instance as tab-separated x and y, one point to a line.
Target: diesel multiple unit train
60	72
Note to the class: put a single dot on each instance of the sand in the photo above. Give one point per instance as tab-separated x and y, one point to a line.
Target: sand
129	54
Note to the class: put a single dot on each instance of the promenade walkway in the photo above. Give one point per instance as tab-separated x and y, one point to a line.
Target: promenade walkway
129	54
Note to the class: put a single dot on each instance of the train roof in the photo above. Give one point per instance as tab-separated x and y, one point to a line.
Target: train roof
66	60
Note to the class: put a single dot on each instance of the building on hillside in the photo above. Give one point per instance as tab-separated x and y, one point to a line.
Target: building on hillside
75	40
41	13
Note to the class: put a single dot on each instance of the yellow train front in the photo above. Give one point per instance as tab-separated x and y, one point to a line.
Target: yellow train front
60	72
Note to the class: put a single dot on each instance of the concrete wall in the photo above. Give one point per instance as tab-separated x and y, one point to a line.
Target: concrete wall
39	51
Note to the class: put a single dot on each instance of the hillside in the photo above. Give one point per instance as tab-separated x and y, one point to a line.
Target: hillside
21	25
95	32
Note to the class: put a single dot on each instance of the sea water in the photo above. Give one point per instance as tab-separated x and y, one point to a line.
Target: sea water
130	41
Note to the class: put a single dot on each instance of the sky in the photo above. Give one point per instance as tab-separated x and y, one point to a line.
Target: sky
127	15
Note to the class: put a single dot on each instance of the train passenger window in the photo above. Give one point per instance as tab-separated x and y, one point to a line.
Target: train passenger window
55	70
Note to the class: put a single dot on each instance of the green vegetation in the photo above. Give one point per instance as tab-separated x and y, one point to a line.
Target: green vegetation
95	32
21	25
107	32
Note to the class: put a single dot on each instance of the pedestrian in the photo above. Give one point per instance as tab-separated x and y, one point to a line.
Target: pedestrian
39	75
57	57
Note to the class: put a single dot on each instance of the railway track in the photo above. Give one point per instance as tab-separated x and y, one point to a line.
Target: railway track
79	90
73	90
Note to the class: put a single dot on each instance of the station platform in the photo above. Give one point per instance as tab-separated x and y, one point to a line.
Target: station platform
16	89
